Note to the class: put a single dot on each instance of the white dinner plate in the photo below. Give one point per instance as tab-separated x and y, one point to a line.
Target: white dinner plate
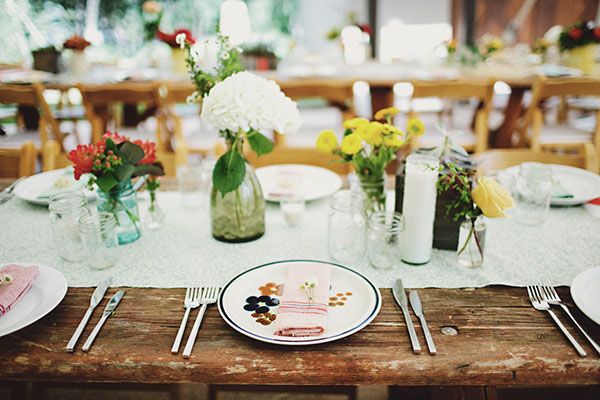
37	188
45	293
314	182
356	308
585	291
582	184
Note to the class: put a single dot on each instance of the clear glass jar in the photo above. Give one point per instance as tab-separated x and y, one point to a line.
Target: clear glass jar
347	221
65	210
471	242
384	231
100	239
374	189
532	193
122	201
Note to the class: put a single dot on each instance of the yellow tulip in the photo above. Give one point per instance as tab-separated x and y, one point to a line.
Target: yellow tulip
355	123
492	198
386	112
415	127
351	144
327	141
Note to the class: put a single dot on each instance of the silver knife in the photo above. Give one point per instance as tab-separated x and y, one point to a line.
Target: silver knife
400	297
415	303
94	301
108	310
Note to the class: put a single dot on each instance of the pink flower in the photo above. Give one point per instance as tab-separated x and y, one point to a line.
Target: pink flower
149	151
83	159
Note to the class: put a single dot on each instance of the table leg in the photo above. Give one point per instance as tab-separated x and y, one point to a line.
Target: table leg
502	137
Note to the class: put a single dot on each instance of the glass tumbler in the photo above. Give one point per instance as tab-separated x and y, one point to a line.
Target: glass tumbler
347	221
100	239
532	193
384	231
191	180
65	210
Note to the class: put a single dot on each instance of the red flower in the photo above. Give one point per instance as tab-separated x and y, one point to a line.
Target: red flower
170	38
83	159
149	151
596	32
366	28
76	42
575	33
115	137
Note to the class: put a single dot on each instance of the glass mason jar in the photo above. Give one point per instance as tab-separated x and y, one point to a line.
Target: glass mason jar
65	210
122	201
384	231
100	239
347	221
239	216
533	192
374	189
471	242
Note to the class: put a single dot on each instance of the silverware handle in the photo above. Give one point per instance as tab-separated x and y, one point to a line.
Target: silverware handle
90	339
414	341
592	342
579	349
71	345
428	338
177	343
192	339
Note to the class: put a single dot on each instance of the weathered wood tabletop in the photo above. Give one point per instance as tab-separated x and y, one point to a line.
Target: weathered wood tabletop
500	340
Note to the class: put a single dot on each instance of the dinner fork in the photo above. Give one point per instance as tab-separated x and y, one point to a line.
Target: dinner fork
192	300
209	296
538	302
552	298
7	193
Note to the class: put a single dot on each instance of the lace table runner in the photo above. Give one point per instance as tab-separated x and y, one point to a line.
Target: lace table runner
183	252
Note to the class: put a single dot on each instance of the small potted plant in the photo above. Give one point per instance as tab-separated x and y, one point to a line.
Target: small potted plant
77	44
580	41
178	55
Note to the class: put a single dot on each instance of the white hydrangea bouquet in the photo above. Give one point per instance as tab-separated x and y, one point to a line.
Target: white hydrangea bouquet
240	104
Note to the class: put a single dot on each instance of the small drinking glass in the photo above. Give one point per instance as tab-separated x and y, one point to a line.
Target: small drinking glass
384	231
191	182
347	221
100	239
292	208
65	210
532	193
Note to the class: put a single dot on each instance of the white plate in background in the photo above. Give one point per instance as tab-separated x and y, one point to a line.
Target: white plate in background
32	188
314	182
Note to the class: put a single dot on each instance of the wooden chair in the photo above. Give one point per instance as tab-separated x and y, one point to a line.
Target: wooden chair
531	132
15	163
461	89
498	159
32	96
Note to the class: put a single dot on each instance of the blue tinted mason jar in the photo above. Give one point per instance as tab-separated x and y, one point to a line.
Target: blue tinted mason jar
121	201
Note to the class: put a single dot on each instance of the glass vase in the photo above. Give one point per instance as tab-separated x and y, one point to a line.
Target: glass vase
122	201
155	217
374	189
239	215
471	242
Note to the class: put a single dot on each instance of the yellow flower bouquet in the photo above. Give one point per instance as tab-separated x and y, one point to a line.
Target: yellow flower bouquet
370	146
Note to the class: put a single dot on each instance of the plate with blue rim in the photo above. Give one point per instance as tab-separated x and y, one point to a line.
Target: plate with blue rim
249	302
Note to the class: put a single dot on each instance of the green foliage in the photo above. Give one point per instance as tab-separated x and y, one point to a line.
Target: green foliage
456	183
229	172
578	35
259	142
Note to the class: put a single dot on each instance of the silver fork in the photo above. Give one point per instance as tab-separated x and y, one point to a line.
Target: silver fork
192	300
7	193
209	296
552	298
538	302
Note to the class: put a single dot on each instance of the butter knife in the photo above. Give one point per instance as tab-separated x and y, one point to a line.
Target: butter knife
108	310
97	297
400	297
415	303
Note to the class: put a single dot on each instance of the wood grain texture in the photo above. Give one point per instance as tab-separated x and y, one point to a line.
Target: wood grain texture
502	340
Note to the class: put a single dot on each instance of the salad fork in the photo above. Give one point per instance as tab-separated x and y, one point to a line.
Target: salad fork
538	302
209	296
192	300
7	193
552	298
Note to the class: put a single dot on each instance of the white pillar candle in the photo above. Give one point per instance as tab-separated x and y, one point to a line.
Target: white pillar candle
418	207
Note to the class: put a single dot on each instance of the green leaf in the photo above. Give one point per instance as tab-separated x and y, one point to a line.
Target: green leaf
229	172
144	169
260	143
110	145
131	152
106	182
123	172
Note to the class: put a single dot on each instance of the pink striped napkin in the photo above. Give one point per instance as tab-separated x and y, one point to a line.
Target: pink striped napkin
22	278
303	310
